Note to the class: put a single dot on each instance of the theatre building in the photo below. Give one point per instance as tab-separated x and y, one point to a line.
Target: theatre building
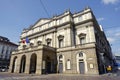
69	43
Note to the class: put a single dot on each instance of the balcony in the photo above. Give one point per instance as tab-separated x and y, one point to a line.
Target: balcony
86	45
79	46
33	48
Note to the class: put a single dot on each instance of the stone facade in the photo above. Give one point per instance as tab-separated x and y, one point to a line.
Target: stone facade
67	43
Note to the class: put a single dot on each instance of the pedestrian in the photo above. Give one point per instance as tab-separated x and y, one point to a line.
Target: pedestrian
109	69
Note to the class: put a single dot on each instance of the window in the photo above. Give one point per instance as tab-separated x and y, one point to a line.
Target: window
91	66
31	44
80	54
48	42
60	43
61	21
82	40
39	42
24	46
80	18
60	58
82	37
40	28
43	65
81	60
2	49
68	64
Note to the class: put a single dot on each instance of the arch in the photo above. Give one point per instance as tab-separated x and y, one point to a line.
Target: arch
61	64
14	65
48	65
22	64
33	61
81	63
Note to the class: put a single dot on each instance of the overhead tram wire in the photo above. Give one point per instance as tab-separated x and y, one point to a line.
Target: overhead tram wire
44	9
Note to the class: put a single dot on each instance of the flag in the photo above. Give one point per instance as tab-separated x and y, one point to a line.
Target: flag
27	40
23	41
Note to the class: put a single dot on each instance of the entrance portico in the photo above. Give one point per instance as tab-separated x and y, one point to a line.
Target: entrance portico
31	61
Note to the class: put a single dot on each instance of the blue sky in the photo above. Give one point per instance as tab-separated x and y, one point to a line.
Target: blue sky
15	15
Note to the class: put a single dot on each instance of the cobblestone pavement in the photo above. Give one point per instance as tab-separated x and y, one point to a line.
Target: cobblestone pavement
12	76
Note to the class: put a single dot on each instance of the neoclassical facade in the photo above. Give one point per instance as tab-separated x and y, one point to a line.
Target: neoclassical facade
71	43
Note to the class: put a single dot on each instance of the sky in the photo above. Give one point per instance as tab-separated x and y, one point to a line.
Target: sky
15	15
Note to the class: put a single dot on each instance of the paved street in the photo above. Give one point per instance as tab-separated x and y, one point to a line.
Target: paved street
11	76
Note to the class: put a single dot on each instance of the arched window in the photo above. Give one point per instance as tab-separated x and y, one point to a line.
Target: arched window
61	66
80	54
60	58
61	41
81	63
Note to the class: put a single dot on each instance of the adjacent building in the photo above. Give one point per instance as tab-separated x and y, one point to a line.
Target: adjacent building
71	43
6	48
117	58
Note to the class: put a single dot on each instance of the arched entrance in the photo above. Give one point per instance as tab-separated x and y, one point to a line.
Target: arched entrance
33	60
22	64
81	63
60	67
14	66
48	65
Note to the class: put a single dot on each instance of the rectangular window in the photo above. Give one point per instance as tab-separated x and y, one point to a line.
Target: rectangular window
80	18
60	43
48	43
91	66
82	40
43	65
68	64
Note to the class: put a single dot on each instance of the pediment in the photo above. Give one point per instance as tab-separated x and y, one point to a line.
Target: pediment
41	21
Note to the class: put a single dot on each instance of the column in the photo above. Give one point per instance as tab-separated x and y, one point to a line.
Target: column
27	66
39	63
18	64
68	37
11	64
54	39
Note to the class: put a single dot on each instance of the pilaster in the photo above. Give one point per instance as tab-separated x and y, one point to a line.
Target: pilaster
27	66
39	63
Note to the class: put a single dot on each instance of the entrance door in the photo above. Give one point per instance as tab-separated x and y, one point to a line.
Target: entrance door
14	66
22	65
60	67
48	67
33	61
81	67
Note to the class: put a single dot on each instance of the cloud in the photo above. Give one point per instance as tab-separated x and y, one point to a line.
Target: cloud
100	19
110	1
110	39
117	8
117	34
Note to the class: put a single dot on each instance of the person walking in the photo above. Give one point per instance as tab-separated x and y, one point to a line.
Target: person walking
109	69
